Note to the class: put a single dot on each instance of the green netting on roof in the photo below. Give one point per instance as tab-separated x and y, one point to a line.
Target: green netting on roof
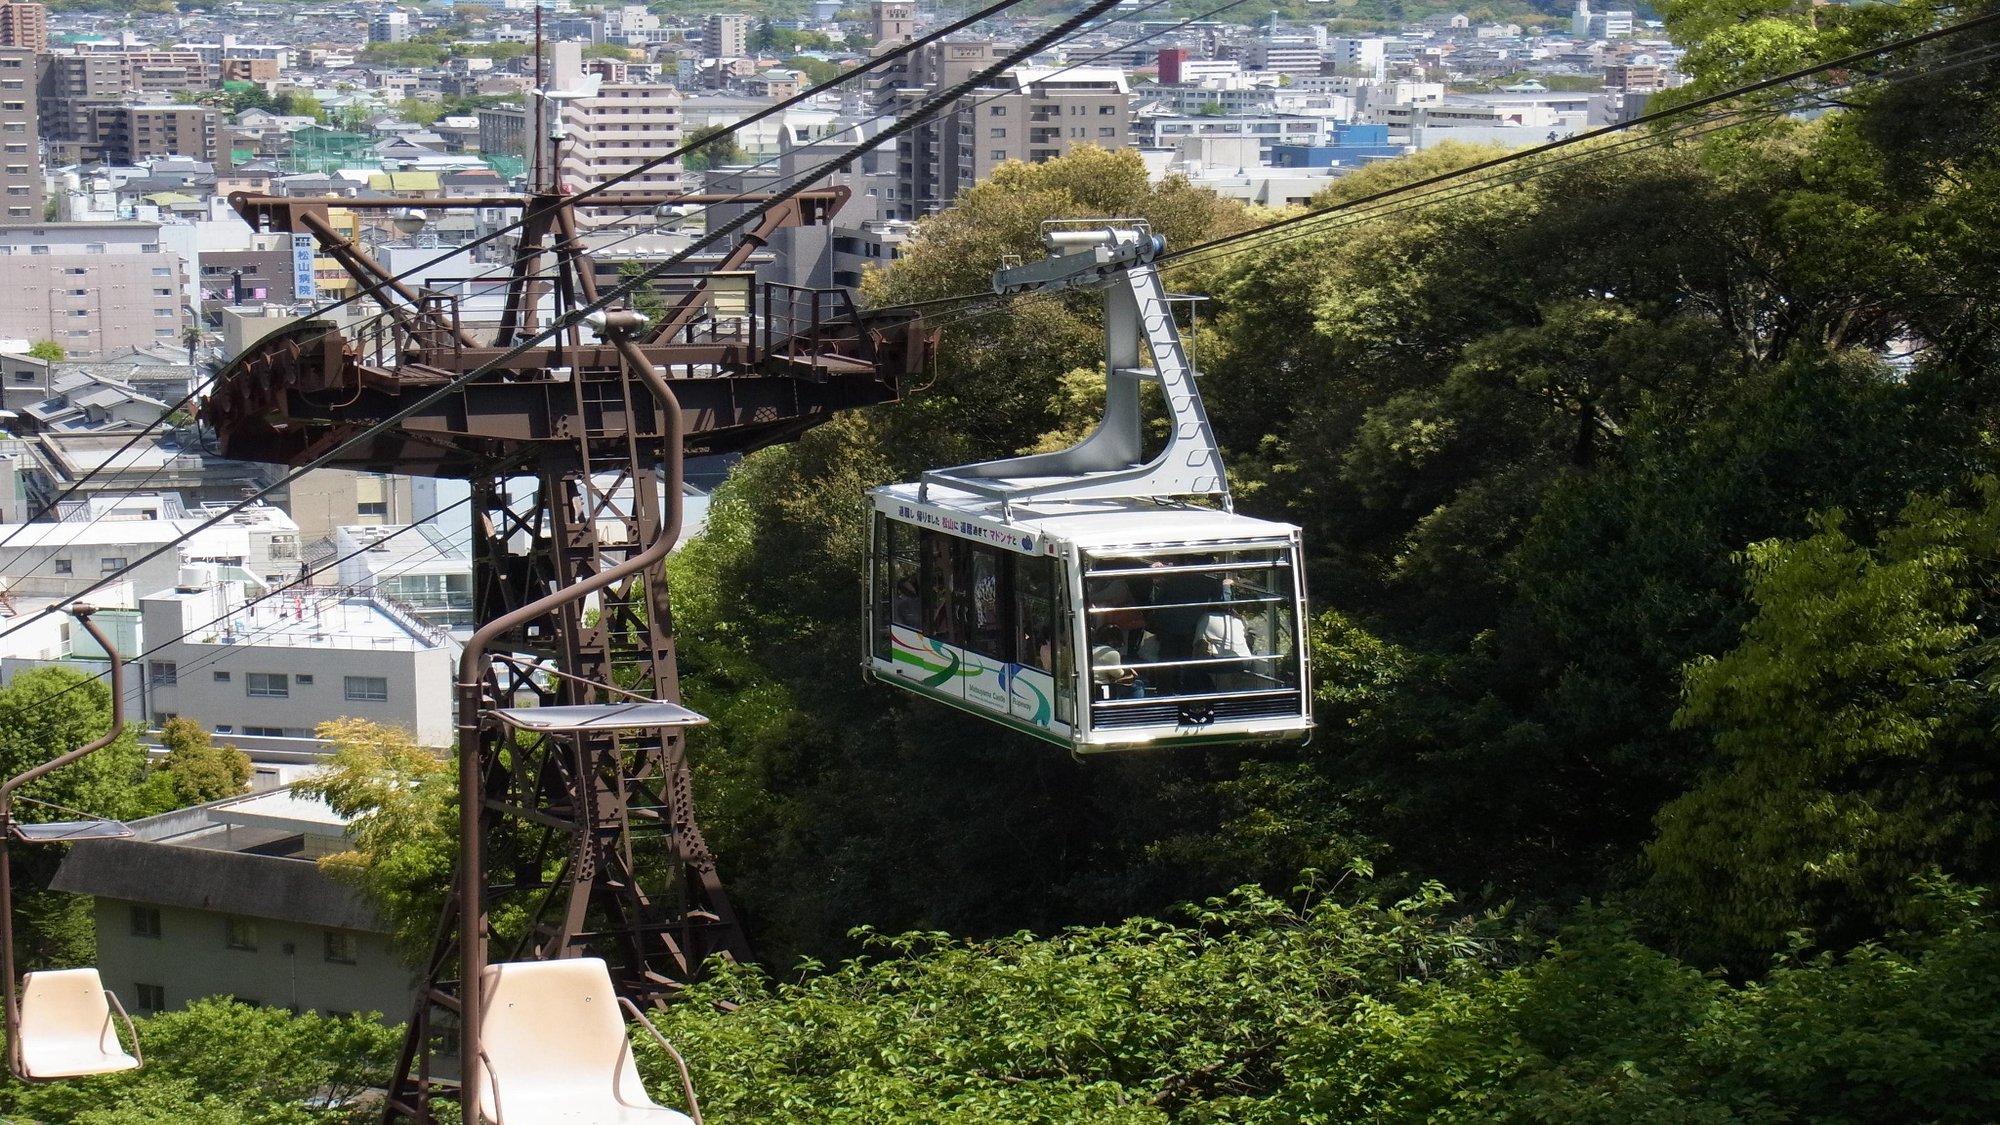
508	166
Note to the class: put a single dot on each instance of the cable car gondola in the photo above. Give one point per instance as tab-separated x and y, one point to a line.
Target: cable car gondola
1087	596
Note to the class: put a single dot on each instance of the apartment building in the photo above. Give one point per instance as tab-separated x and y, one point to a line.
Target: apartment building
1240	140
61	558
21	184
25	26
1284	56
1032	113
128	134
389	27
227	899
503	130
94	288
728	36
615	130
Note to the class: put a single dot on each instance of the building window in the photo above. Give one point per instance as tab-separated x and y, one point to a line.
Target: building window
304	680
267	685
222	678
367	689
999	111
164	673
999	154
1106	110
149	997
264	732
111	564
62	566
998	134
1107	130
146	921
339	947
239	933
372	508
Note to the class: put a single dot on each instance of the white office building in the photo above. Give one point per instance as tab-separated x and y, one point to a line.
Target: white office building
275	669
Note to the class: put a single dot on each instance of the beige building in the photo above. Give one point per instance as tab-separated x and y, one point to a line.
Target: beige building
127	134
94	288
1032	113
24	25
728	36
227	899
615	130
21	192
325	500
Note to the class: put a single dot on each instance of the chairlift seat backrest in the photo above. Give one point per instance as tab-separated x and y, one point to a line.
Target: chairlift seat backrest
66	1026
556	1048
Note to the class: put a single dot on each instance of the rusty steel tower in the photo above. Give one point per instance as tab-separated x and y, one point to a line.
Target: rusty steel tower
579	833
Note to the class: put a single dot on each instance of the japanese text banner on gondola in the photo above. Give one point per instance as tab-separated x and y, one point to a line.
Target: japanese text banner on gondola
976	528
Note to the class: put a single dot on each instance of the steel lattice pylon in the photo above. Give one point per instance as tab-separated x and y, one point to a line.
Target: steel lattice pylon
581	841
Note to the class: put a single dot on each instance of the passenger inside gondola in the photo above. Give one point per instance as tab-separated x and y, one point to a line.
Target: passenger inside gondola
1205	624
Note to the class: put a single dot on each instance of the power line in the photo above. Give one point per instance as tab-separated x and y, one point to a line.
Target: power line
923	111
375	289
266	595
1842	63
977	304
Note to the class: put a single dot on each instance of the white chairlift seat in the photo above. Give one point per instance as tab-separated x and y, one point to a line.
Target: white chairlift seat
556	1049
67	1029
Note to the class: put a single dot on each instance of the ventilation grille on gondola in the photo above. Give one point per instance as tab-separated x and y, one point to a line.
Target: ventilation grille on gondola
1194	713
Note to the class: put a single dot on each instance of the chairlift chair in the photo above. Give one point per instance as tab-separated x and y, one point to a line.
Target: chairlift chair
59	1022
556	1052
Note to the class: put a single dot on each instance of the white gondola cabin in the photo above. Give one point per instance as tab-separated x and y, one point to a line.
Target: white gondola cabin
1080	596
1100	625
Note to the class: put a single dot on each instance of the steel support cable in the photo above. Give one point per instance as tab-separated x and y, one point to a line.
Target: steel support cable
374	288
77	485
1844	62
1389	201
917	116
973	104
1332	219
295	584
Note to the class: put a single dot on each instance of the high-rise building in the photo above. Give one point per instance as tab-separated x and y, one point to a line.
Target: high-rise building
1171	59
728	36
20	129
615	129
389	27
892	21
1030	113
24	25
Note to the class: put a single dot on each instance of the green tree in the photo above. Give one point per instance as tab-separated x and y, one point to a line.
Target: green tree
402	801
1852	727
610	51
719	152
405	54
44	713
196	768
817	71
48	350
419	111
301	104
